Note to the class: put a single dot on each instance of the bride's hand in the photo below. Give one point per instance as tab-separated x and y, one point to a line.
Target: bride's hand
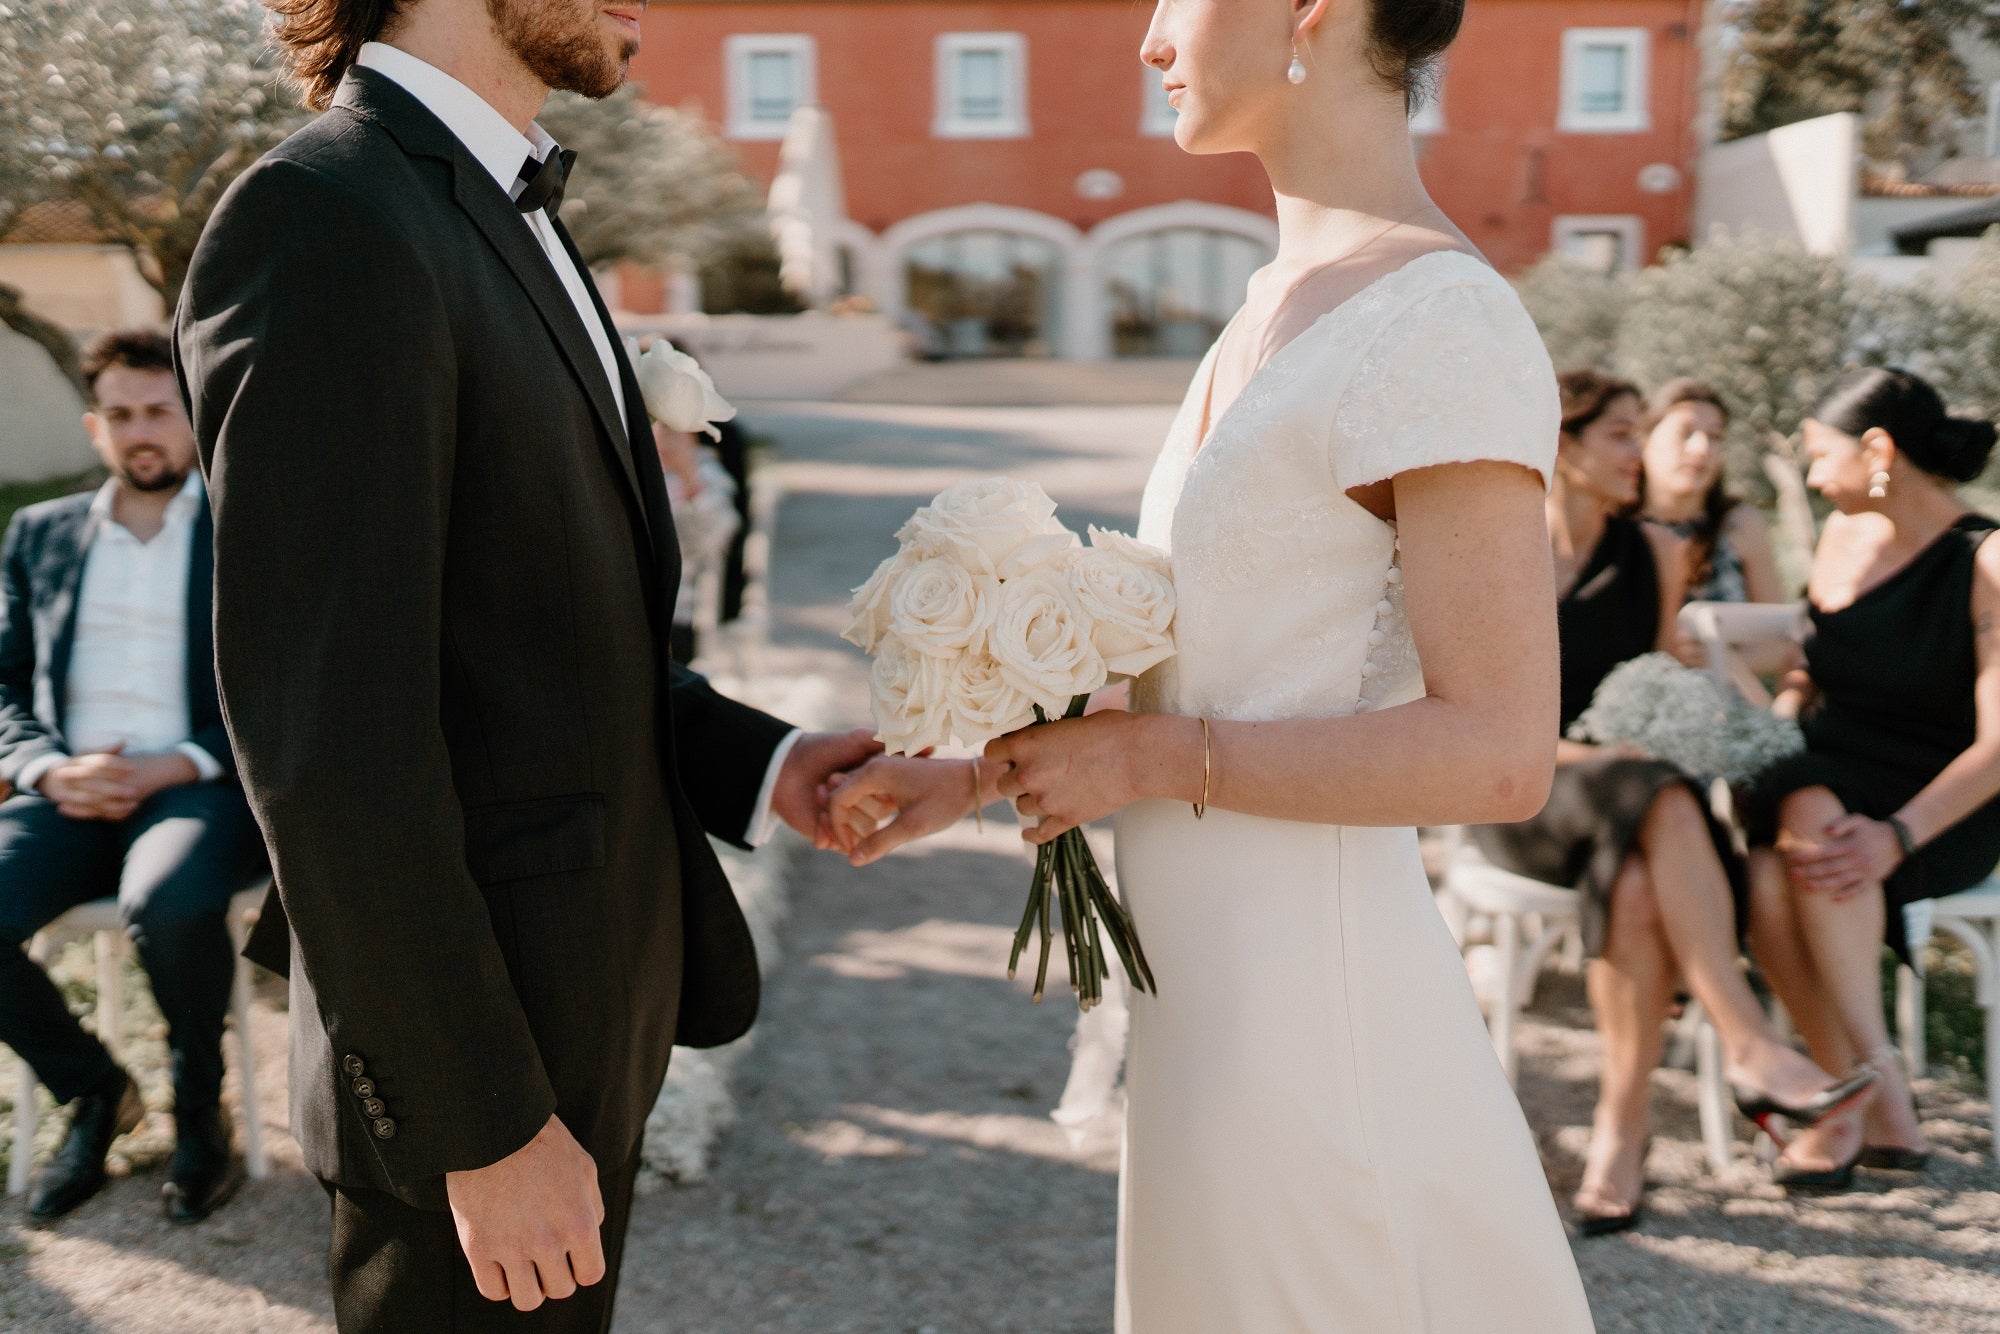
1068	773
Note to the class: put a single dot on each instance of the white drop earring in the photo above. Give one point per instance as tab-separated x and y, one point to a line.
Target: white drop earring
1878	486
1296	71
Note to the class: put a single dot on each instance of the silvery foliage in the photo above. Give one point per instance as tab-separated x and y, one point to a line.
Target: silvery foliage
141	110
653	184
1577	308
1948	332
1687	718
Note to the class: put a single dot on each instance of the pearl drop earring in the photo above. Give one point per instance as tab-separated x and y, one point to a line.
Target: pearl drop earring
1296	72
1878	486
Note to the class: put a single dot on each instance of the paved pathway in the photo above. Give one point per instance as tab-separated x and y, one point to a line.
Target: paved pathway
893	1167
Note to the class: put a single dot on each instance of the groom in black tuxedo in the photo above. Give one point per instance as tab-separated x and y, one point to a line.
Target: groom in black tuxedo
445	572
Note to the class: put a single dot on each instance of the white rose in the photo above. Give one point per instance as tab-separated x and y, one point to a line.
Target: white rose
1129	606
869	607
1041	639
1132	549
678	393
941	608
994	525
907	691
984	703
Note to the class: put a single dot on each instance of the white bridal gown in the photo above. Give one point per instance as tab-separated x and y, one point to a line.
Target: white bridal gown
1318	1136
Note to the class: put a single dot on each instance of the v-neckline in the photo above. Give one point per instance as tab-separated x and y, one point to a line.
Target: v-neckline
1210	423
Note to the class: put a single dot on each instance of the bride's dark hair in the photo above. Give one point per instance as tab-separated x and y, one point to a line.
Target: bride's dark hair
1405	39
320	39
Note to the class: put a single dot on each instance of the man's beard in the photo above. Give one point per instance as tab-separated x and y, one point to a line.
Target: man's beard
166	479
559	42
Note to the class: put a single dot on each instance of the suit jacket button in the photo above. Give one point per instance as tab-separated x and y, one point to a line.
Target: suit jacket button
384	1128
374	1106
352	1066
363	1088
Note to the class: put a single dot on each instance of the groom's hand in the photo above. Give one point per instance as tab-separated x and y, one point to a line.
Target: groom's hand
818	756
529	1224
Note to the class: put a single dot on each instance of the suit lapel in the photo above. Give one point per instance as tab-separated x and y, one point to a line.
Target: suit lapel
480	197
68	555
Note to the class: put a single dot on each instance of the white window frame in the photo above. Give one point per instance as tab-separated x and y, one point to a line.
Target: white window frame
1156	114
1429	118
1637	114
1993	119
1012	123
738	50
1631	229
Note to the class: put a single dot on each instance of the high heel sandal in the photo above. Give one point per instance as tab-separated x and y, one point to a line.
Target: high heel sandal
1590	1223
1763	1108
1894	1157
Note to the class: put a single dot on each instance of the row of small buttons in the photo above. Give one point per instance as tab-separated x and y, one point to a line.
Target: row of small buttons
363	1088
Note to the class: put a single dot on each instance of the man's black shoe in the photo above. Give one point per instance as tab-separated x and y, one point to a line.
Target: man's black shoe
78	1170
205	1173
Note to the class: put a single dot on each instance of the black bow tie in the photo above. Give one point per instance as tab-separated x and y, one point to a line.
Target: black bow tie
542	181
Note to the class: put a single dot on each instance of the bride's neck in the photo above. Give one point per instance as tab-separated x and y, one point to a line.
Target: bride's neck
1341	175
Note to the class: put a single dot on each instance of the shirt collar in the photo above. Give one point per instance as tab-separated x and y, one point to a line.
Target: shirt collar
494	143
184	502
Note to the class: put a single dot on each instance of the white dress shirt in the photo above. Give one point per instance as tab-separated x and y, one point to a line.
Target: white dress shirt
501	149
128	664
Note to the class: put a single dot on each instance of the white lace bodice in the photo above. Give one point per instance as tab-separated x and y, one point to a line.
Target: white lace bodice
1290	594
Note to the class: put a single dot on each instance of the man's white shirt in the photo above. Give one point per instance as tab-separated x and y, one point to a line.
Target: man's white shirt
128	669
501	149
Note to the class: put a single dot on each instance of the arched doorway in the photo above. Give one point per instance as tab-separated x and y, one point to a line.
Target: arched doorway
1172	289
985	292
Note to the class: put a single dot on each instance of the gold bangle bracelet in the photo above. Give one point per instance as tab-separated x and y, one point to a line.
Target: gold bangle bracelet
1207	771
978	815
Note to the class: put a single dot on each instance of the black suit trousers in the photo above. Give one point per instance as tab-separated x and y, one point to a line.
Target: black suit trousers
400	1270
173	866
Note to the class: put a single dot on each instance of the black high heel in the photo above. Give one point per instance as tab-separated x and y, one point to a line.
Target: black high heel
1592	1224
1763	1108
1815	1180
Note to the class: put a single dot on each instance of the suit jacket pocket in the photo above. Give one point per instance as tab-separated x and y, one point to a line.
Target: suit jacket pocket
527	838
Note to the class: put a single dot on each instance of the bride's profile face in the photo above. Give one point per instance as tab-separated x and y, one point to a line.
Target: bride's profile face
1223	63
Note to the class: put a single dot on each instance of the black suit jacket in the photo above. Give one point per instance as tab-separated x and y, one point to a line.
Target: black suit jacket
445	571
41	574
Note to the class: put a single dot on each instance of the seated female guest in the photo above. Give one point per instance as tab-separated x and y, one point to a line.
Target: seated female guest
1728	545
1894	799
1659	881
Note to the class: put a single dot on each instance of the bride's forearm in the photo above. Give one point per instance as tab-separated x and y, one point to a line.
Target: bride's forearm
1425	763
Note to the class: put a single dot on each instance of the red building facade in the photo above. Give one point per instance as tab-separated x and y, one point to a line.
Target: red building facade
1012	184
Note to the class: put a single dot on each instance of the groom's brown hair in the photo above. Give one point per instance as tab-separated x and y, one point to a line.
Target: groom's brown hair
320	39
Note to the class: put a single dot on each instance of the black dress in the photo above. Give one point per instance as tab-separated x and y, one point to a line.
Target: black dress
1894	673
1586	831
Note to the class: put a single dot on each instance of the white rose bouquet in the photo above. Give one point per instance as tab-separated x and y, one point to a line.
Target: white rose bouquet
992	617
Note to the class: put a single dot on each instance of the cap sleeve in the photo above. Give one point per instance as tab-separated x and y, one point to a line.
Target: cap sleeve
1459	375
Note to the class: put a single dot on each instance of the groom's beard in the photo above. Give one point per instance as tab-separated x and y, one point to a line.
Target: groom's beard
561	44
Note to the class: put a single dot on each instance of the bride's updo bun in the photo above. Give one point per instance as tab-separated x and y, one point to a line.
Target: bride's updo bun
1406	37
1955	449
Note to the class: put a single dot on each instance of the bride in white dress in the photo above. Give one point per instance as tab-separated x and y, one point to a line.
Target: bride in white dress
1318	1136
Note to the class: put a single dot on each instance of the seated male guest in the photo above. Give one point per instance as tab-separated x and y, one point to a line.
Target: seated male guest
112	738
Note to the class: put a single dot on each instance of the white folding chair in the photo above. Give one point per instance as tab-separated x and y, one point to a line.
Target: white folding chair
100	920
1529	920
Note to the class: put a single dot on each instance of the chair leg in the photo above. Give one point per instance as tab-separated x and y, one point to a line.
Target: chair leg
1717	1111
1910	1018
111	992
1507	942
21	1165
253	1121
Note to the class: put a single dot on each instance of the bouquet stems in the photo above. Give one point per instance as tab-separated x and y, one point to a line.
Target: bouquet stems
1066	871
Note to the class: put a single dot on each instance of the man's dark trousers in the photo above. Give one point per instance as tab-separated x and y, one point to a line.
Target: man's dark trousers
173	865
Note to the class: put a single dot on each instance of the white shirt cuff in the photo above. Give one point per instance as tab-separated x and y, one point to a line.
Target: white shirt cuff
204	763
30	777
764	820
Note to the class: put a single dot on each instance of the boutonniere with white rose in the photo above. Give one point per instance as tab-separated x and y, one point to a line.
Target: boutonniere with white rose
992	617
678	393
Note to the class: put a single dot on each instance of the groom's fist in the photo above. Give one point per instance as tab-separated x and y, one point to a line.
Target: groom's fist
530	1223
798	795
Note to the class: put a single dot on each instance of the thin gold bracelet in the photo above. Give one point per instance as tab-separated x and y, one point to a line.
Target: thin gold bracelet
978	816
1207	769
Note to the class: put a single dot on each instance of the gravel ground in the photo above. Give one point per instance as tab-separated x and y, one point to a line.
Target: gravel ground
893	1167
